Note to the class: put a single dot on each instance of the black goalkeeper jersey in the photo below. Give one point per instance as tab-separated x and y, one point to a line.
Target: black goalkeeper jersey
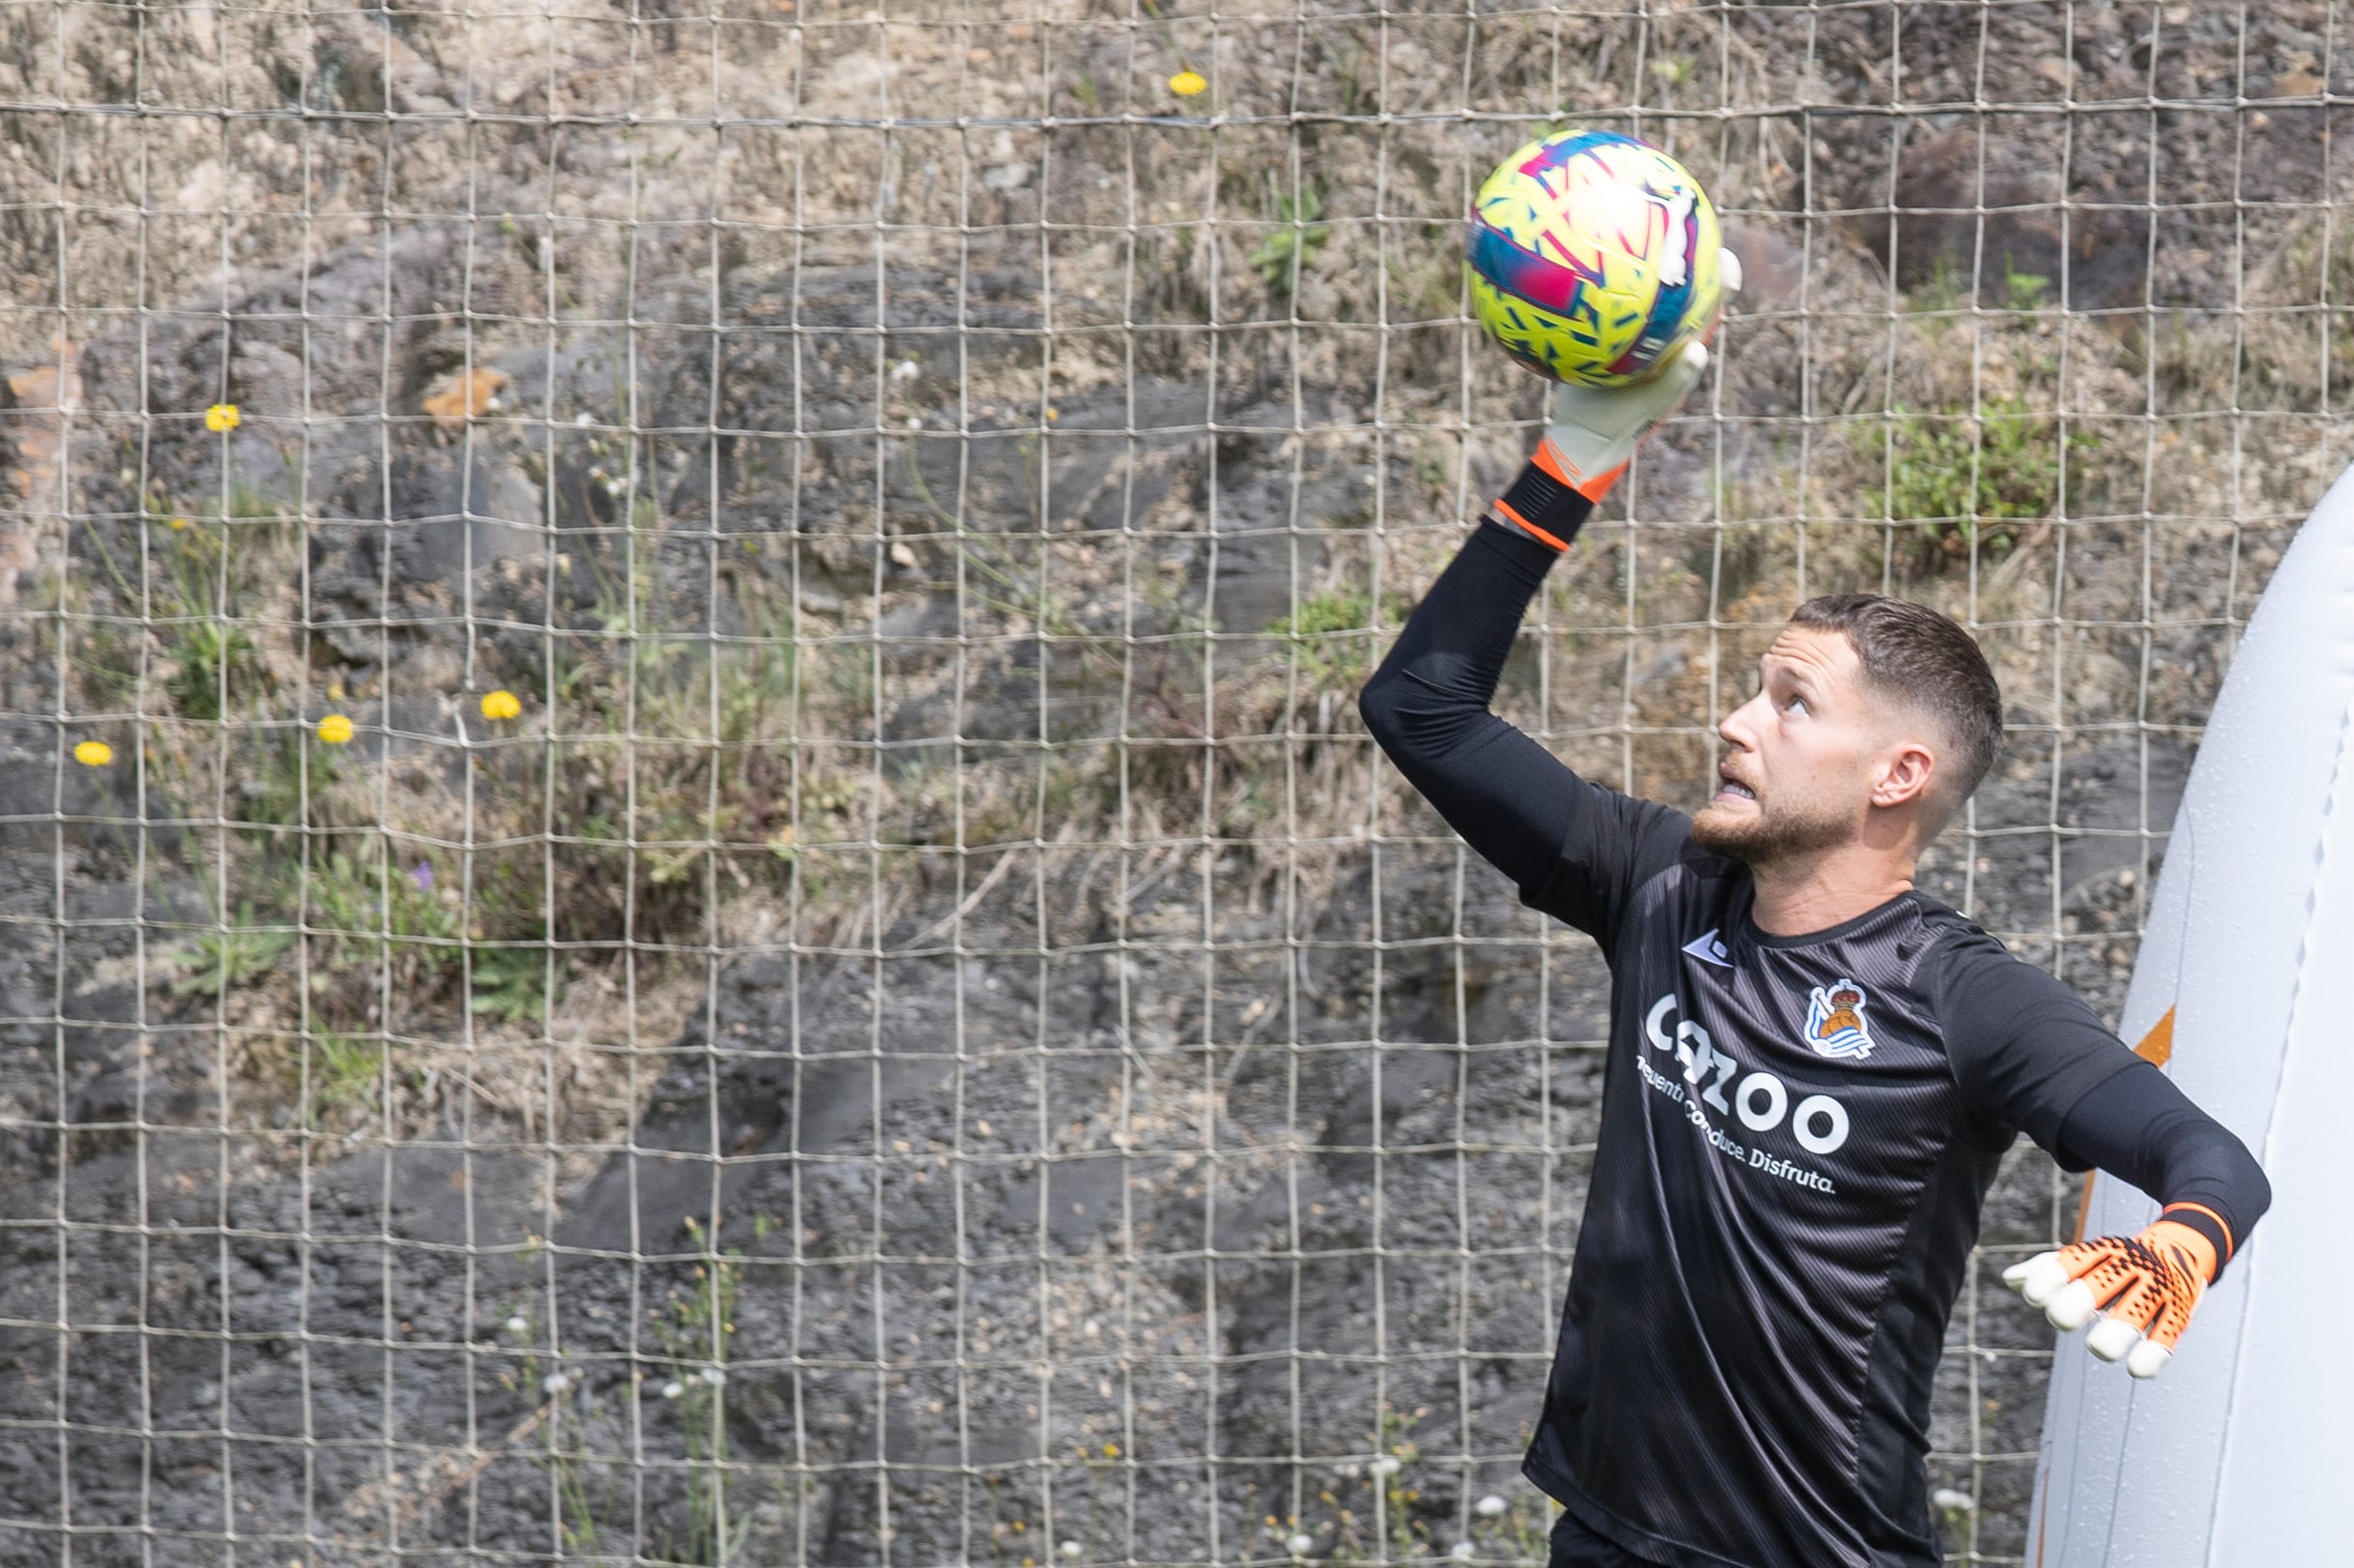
1797	1133
1782	1201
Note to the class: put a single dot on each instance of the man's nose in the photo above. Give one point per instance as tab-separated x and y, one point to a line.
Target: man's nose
1733	728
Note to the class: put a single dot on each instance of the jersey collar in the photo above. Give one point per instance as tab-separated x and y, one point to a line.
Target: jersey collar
1755	933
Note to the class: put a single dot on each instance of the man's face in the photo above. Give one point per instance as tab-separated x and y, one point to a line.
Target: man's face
1797	777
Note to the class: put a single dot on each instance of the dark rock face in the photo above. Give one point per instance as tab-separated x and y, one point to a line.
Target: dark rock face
1001	1202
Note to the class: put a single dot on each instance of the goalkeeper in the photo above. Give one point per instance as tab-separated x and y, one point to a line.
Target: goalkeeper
1814	1071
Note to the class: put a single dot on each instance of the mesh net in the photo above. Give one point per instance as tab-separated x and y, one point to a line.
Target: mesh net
689	871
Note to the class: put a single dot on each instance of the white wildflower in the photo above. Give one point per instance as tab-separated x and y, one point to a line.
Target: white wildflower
516	1325
1383	1466
1463	1551
673	1388
554	1383
1299	1545
914	422
1070	1549
1489	1506
584	419
905	370
714	1376
1952	1501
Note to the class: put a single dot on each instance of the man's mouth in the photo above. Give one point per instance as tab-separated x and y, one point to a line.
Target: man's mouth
1730	788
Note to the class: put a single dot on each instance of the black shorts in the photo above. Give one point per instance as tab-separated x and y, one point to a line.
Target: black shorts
1574	1546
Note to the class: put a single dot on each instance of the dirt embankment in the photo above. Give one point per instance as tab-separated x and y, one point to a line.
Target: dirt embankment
936	493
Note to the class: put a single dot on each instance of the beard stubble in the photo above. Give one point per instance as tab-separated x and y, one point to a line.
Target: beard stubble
1774	834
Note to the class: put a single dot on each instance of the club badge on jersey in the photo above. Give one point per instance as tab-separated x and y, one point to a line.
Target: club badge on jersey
1835	1021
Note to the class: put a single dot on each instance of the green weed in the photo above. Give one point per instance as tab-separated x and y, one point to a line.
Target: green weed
1673	69
1973	479
288	774
361	913
212	657
216	665
1288	251
225	959
510	982
564	1427
1393	1523
1331	635
2023	290
694	1333
345	1072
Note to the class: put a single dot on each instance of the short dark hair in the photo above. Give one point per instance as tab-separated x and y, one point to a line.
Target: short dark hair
1928	661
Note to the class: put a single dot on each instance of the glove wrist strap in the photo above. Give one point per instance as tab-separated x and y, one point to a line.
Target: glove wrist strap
2207	1223
1543	505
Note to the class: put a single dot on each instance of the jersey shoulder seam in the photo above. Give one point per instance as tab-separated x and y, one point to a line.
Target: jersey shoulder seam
1951	934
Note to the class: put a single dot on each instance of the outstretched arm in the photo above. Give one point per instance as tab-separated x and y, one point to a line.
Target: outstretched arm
2028	1054
2138	1127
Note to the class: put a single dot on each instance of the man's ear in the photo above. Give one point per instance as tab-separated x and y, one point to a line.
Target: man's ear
1905	774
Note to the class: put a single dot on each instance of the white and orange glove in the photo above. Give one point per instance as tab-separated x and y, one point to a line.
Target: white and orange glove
2143	1289
1593	435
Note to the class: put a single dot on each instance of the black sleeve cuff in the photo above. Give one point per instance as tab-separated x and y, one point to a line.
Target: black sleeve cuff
1528	557
1547	509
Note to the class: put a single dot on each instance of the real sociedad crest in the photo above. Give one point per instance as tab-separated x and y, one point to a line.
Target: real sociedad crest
1835	1021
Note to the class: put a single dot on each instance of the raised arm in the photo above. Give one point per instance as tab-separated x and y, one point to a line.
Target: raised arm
1574	848
1509	797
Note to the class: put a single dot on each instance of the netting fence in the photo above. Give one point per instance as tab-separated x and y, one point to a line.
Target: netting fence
689	871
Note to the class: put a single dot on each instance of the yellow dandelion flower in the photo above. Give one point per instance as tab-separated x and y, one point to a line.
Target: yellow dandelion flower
501	703
1188	83
221	418
179	523
334	729
94	754
1111	1450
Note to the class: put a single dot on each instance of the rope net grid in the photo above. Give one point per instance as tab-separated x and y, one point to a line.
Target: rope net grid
689	871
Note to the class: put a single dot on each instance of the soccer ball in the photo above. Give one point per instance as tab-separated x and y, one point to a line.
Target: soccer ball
1592	257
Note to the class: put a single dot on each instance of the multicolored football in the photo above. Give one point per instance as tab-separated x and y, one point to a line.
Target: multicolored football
1592	257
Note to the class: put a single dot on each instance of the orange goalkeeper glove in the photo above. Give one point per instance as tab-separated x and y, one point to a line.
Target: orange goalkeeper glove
2143	1290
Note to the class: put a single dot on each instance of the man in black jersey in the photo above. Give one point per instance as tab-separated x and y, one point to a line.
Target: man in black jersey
1813	1067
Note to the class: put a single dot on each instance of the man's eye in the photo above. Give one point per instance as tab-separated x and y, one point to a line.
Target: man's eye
1798	705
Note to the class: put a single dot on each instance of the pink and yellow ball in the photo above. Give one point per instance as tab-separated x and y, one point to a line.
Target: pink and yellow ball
1592	257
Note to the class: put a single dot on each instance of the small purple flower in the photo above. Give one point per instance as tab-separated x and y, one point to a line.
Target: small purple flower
423	876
